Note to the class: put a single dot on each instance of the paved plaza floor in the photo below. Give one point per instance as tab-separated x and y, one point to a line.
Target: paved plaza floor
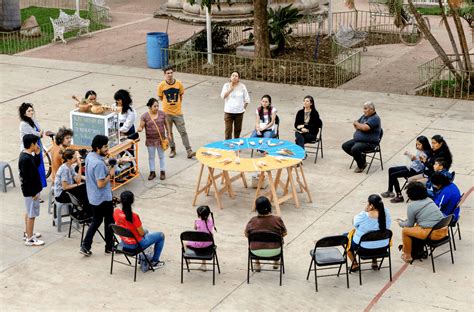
57	277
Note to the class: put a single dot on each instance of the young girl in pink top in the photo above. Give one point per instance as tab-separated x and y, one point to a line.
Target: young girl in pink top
203	224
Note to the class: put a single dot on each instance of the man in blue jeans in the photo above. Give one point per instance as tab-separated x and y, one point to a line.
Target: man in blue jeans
99	193
366	136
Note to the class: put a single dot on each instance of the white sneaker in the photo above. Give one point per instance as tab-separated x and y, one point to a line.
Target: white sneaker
33	241
37	235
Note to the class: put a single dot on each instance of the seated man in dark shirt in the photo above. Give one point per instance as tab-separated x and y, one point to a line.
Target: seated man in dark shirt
366	137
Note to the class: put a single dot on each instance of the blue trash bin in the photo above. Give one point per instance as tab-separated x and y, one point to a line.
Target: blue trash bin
155	41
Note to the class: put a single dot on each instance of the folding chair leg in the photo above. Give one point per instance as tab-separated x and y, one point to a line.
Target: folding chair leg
453	237
283	264
347	274
317	150
135	273
350	167
82	232
370	164
459	230
310	266
316	276
432	260
339	271
389	264
451	250
360	271
112	261
217	261
70	226
381	162
213	271
248	270
182	267
281	272
187	264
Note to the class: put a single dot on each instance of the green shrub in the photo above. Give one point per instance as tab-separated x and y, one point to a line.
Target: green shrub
279	22
220	37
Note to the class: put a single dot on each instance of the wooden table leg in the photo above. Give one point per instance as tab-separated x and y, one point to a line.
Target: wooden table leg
261	179
305	184
227	183
244	180
274	194
214	184
198	185
298	181
292	185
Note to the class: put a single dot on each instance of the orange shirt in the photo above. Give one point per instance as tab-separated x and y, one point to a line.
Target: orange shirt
172	95
56	160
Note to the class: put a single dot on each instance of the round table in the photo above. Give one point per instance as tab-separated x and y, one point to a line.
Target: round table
278	155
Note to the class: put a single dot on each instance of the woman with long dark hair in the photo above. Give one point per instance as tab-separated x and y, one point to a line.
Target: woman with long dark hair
128	219
439	149
236	98
375	217
265	119
307	122
127	114
28	125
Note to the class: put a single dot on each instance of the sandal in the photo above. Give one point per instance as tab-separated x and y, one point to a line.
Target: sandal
354	268
406	258
375	266
257	267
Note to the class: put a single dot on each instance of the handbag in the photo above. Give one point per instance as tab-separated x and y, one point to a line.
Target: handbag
164	142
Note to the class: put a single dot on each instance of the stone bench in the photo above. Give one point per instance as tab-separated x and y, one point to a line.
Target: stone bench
65	23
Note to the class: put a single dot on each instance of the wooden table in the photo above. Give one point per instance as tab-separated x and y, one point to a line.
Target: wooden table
270	168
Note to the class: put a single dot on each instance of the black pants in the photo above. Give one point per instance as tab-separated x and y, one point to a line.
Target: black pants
103	212
302	138
357	149
398	172
81	194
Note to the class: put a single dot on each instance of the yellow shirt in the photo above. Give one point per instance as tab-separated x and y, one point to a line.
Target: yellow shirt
172	96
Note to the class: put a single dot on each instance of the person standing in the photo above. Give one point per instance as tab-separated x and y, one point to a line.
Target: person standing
62	140
236	98
156	129
31	186
366	136
29	125
99	193
170	92
127	114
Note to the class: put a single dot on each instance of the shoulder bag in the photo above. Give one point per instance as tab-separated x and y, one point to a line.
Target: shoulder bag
164	142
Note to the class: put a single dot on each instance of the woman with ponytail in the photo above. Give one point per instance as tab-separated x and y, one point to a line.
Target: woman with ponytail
126	218
203	224
374	217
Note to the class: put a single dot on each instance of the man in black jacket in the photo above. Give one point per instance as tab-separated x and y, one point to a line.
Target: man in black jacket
31	186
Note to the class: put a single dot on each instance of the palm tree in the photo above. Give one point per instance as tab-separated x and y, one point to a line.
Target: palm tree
10	18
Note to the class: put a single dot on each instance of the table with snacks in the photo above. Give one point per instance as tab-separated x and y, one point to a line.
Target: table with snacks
273	157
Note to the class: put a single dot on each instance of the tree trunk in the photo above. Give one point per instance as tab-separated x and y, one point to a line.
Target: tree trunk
461	35
450	34
260	27
434	43
10	18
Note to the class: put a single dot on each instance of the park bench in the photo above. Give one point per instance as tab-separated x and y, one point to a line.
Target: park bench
348	37
65	23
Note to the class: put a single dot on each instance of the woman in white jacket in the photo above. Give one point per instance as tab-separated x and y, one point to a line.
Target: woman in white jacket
236	98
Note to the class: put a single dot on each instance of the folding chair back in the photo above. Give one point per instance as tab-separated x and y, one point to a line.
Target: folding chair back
265	237
375	253
123	232
441	224
433	244
196	236
332	241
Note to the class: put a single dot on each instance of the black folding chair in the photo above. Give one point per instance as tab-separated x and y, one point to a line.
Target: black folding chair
374	253
133	253
78	216
431	245
455	223
208	253
265	237
313	147
326	254
373	154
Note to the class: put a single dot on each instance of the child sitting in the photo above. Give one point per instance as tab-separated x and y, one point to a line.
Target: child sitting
440	165
203	224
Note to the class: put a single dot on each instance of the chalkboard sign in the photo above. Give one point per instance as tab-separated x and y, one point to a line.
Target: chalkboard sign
87	126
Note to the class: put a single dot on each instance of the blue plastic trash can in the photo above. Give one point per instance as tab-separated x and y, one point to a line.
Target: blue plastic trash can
155	41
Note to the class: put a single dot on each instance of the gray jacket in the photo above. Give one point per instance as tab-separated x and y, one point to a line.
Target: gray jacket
423	212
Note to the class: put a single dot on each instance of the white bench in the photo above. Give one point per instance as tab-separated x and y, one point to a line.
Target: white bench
65	23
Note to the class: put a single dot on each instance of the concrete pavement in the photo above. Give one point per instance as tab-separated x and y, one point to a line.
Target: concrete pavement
57	277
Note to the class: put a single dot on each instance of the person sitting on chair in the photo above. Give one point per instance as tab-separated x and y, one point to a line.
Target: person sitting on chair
267	222
439	149
375	217
447	194
307	122
423	212
265	119
366	137
439	166
68	180
128	219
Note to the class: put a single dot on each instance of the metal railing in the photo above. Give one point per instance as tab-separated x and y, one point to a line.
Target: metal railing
269	70
436	79
59	4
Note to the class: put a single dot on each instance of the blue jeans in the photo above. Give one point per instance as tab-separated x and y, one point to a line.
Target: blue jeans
157	238
265	134
151	157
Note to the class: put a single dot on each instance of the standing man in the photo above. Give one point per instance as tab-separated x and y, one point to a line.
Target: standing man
170	92
99	193
31	186
366	136
63	140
